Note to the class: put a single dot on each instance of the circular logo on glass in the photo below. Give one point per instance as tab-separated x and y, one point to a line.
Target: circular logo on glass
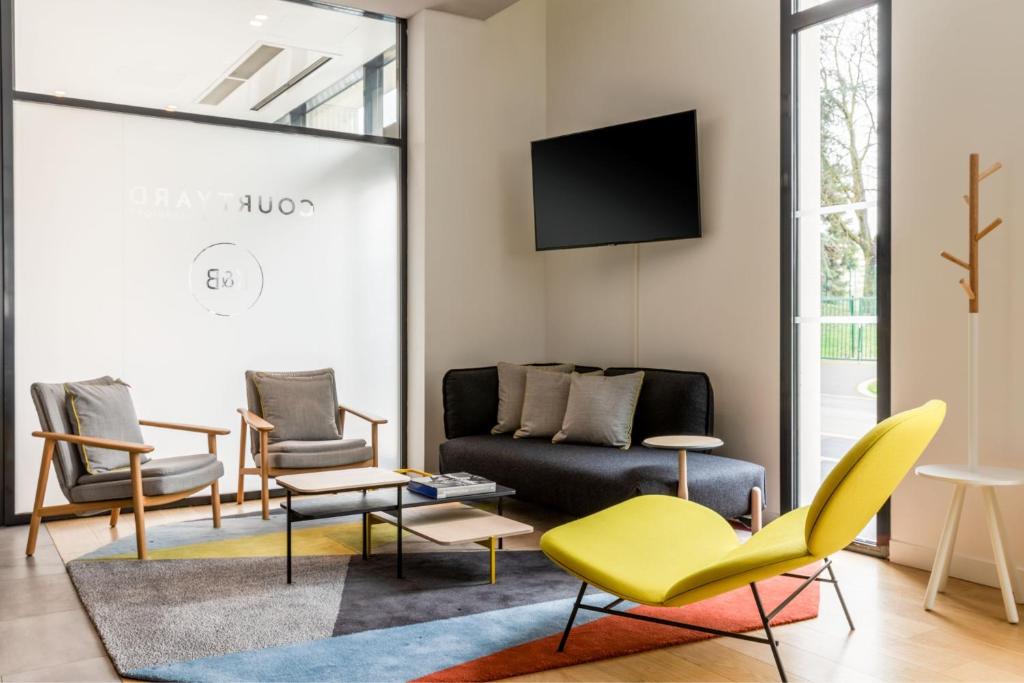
226	279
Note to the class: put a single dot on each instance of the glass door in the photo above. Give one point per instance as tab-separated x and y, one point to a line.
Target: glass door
836	222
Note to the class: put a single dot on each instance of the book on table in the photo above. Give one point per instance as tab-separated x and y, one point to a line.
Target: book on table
451	485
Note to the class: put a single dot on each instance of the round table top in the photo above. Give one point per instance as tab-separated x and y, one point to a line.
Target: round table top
680	442
978	476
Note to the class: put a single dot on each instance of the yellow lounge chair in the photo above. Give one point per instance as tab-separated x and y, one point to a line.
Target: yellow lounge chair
669	552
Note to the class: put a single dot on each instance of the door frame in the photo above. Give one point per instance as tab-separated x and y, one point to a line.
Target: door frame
792	22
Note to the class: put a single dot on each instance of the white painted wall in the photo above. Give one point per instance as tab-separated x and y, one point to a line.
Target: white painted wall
476	285
710	304
956	89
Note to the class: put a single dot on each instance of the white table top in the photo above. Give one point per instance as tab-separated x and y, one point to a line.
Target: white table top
979	476
451	523
680	442
341	480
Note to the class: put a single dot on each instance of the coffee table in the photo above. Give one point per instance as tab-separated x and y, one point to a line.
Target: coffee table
355	497
340	481
455	523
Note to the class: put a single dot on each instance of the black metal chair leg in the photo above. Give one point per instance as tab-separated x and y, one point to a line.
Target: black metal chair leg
768	632
835	584
572	617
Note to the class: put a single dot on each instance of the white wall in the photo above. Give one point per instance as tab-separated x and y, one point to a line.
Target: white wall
956	89
476	285
710	304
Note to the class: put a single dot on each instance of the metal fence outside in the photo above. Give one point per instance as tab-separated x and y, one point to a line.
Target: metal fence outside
855	340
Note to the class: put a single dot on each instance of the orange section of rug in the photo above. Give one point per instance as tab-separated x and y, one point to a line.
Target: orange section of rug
617	636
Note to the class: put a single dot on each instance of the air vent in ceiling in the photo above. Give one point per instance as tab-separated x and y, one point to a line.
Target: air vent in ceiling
245	70
291	83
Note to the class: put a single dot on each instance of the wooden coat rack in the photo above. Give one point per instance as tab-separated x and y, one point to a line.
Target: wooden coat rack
971	265
974	476
972	287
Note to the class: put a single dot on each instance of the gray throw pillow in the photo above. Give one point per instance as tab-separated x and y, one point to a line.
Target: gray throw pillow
600	410
104	411
512	390
300	408
547	394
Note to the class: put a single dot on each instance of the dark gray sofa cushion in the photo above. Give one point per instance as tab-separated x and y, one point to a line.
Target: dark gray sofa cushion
580	479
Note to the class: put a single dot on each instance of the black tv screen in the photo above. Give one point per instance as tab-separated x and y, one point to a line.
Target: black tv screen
634	182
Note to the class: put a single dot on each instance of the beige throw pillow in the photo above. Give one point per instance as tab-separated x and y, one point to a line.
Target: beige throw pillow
600	410
512	390
547	394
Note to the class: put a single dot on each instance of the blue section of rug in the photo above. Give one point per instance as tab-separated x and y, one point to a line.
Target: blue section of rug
394	654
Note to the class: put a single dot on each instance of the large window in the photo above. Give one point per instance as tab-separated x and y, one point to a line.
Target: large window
175	228
835	226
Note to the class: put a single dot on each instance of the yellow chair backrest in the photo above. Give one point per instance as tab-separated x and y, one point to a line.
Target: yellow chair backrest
867	475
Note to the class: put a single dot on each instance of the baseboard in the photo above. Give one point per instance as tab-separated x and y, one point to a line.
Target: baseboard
974	569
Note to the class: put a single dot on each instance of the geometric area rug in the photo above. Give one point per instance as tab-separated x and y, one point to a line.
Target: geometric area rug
216	608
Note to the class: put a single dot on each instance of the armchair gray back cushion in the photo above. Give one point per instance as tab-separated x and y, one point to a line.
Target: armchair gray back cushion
52	408
253	397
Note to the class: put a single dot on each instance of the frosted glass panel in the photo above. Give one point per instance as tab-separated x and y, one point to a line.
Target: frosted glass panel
177	255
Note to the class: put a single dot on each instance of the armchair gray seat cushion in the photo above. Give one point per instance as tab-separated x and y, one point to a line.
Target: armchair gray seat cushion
311	454
160	476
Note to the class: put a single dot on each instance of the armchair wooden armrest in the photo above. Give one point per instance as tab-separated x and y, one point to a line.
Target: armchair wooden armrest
213	431
372	419
96	442
255	421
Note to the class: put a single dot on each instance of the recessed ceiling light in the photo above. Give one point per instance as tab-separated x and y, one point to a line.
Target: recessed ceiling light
59	93
256	22
170	107
261	17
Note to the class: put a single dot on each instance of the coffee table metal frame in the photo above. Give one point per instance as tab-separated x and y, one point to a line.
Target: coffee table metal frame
375	499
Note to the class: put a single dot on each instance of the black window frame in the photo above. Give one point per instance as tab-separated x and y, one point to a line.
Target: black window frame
792	22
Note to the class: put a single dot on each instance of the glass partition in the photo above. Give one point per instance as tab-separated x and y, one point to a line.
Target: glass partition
177	256
271	61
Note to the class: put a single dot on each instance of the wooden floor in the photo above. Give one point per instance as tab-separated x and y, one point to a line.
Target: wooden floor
45	634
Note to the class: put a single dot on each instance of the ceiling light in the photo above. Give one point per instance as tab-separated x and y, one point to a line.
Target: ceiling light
170	107
261	17
256	22
59	93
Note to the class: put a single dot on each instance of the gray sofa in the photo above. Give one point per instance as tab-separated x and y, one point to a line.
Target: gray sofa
581	479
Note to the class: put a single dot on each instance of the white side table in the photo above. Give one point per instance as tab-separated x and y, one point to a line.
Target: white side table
680	443
987	479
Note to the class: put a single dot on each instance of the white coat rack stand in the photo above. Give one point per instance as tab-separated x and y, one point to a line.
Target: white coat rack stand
973	474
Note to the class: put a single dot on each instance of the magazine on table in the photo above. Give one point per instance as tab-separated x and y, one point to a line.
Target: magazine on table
451	485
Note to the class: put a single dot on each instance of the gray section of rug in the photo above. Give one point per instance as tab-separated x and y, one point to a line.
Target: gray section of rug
161	611
444	585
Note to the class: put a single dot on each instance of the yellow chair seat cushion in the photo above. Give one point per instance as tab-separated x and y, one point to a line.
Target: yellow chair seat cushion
640	548
660	550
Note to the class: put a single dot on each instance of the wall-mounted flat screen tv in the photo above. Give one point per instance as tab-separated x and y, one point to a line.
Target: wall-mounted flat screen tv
633	182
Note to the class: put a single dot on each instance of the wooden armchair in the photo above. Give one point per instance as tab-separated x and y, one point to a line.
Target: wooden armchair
141	485
297	452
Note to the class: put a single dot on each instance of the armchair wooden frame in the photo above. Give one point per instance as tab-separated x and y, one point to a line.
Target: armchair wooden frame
138	502
251	420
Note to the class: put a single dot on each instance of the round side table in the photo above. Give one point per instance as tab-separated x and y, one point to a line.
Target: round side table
986	479
680	443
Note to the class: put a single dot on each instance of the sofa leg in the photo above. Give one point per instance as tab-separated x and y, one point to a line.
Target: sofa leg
756	507
115	514
572	617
